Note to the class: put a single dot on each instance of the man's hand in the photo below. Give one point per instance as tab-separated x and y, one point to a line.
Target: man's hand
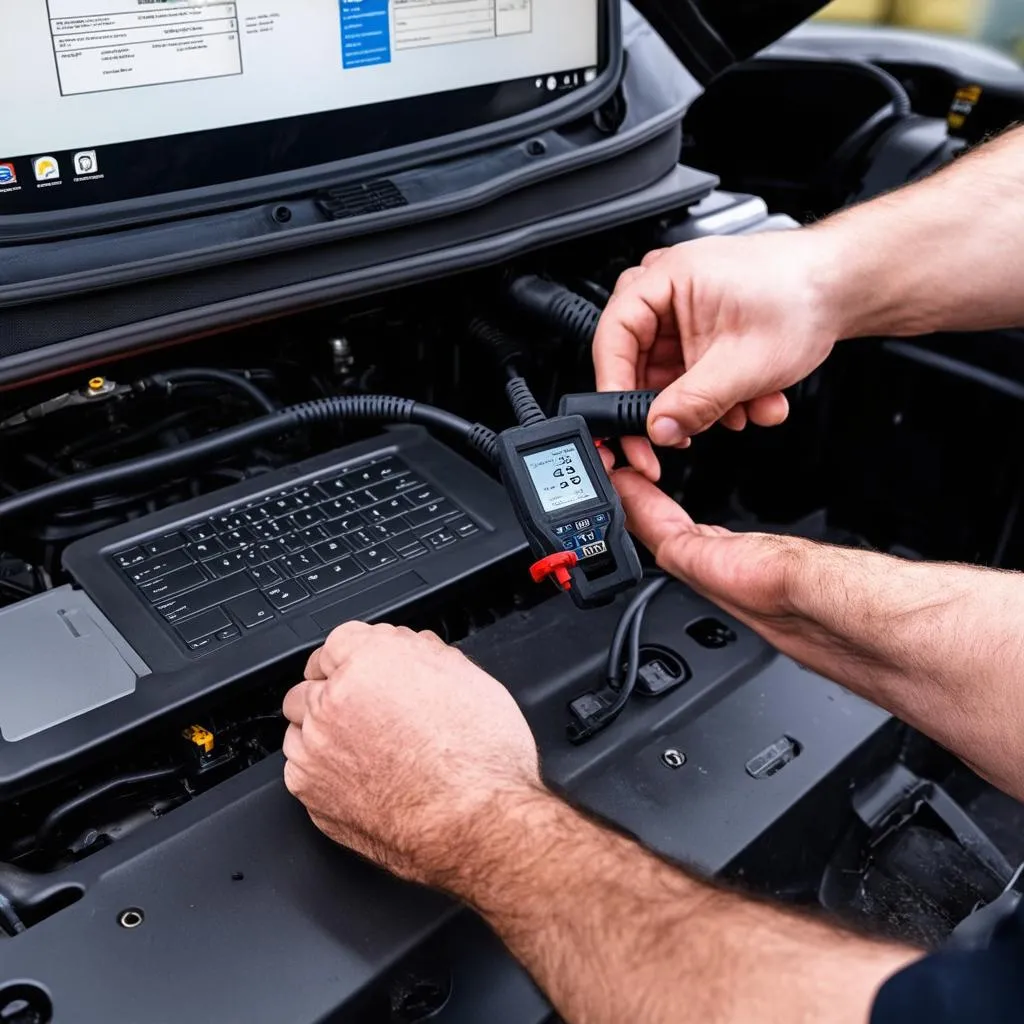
404	751
401	749
720	327
723	325
752	576
937	645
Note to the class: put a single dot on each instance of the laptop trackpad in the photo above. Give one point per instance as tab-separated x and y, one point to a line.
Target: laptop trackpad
61	658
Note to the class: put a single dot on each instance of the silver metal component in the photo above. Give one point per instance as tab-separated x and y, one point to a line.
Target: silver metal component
131	918
97	390
341	354
673	758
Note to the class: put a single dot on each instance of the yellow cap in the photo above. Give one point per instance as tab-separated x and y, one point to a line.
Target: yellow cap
200	737
97	383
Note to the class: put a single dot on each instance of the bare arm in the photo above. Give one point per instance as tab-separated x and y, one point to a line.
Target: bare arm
940	646
721	326
611	933
946	254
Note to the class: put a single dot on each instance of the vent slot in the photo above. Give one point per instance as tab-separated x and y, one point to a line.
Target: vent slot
362	198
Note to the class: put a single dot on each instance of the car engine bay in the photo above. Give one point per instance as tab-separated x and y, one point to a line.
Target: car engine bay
909	870
193	494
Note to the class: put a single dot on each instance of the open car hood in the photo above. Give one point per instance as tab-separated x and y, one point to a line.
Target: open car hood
710	35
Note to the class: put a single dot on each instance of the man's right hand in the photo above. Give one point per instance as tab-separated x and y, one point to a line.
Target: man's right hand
719	326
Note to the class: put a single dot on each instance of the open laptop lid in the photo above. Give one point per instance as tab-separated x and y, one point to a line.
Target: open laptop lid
127	102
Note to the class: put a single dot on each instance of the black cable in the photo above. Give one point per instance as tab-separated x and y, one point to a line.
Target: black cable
326	410
524	405
628	630
506	350
626	638
565	312
202	374
53	822
134	437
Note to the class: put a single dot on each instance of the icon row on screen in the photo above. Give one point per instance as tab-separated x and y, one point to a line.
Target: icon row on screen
47	168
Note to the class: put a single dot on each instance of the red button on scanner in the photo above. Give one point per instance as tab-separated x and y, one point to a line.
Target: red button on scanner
555	567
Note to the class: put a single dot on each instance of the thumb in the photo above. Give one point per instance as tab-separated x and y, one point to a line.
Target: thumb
717	383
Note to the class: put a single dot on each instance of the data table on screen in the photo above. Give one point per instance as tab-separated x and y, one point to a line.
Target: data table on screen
101	47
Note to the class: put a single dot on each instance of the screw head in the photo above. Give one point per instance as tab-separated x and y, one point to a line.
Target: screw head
673	758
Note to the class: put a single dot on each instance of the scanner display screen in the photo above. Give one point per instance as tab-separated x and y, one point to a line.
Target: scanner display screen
560	478
123	98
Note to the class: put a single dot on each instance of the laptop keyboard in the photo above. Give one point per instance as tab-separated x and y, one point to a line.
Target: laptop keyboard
214	580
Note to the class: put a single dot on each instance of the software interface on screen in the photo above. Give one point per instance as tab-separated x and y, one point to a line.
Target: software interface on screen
97	73
560	478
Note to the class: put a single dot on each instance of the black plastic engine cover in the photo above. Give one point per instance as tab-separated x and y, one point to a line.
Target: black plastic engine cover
251	915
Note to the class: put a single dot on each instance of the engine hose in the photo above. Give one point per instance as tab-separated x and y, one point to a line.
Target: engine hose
381	408
56	819
569	314
524	405
200	374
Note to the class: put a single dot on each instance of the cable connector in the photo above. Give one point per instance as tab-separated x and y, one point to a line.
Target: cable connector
611	413
565	312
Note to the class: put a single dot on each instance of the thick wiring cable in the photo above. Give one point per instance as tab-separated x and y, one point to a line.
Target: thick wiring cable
380	408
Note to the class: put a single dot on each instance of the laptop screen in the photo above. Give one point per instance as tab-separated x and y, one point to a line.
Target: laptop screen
115	99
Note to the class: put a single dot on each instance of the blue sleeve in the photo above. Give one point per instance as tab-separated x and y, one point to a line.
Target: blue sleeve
951	987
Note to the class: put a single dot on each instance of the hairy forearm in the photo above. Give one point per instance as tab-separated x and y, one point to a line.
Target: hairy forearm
613	933
946	254
941	646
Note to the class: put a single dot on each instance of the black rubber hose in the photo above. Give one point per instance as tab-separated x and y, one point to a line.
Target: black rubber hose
381	408
53	822
565	312
199	374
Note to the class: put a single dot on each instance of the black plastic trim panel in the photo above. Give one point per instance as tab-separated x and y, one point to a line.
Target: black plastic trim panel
309	930
45	338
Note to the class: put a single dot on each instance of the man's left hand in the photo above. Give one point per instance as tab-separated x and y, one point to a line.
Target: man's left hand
402	749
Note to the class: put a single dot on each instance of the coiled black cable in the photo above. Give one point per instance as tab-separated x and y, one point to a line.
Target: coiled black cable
508	352
524	405
200	374
565	312
381	408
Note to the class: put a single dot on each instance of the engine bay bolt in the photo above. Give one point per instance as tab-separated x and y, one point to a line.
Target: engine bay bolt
673	758
97	387
341	356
